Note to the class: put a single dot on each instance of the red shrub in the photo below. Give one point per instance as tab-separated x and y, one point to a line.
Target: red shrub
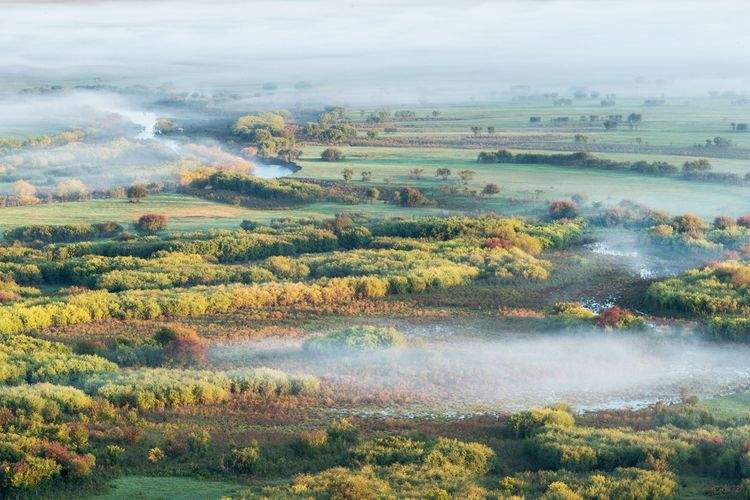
181	344
613	317
151	223
563	209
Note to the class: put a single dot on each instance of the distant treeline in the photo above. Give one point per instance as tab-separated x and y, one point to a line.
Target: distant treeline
692	170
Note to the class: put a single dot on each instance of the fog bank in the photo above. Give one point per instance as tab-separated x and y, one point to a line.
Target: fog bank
589	371
383	50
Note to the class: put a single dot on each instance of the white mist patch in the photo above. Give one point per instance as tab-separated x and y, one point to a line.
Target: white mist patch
144	119
632	251
464	375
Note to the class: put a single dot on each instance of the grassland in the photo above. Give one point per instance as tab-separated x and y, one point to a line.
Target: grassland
679	122
523	181
185	213
166	488
731	406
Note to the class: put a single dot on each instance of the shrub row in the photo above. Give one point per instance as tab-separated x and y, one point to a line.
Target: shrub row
583	159
86	307
285	190
62	233
511	232
150	388
30	360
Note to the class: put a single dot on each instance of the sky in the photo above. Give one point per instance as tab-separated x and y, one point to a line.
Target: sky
471	45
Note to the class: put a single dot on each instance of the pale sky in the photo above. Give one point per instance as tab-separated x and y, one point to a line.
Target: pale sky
513	42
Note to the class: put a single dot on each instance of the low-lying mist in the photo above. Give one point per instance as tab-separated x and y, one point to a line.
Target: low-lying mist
464	375
632	251
120	145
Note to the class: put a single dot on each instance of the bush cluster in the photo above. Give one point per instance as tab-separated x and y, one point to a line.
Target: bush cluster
361	338
62	233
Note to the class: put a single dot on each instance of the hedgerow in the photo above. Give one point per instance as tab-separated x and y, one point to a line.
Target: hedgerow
62	233
150	388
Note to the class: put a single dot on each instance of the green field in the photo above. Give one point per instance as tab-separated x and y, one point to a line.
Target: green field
672	195
732	406
185	213
166	488
679	122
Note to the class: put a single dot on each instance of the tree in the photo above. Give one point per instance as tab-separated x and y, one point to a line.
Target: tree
724	222
610	124
137	192
435	114
689	224
563	209
289	154
634	119
372	134
476	130
411	197
366	176
117	192
25	192
347	174
331	154
373	194
416	173
466	175
580	139
181	344
490	189
249	125
491	130
444	173
72	190
151	223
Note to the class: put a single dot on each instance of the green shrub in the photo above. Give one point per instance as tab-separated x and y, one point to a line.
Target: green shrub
311	443
199	441
44	398
63	233
389	450
719	289
525	423
244	460
584	449
357	338
113	454
622	483
151	223
343	430
341	483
